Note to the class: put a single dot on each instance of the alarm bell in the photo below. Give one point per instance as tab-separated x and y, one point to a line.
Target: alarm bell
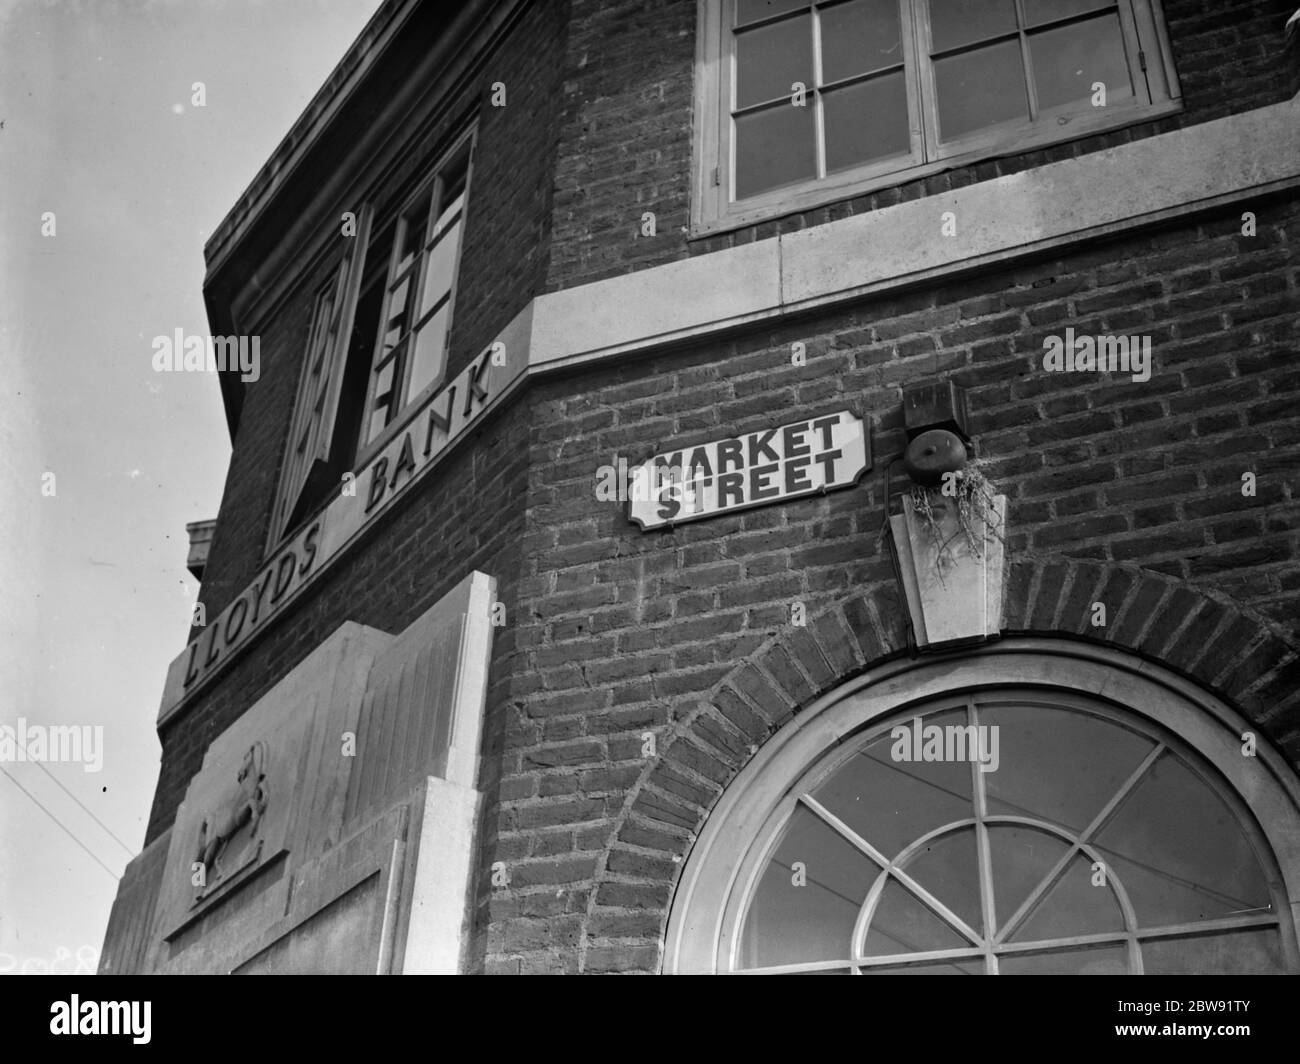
932	454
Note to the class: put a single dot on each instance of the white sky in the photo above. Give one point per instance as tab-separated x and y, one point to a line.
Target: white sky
98	127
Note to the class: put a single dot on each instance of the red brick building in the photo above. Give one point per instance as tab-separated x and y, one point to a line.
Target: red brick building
451	708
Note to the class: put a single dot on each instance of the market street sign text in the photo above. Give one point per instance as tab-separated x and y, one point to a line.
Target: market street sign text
753	469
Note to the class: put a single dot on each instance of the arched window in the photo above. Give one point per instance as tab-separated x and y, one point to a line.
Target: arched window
998	828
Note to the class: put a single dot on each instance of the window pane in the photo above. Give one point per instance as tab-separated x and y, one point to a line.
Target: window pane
1085	960
947	867
902	924
980	88
1175	847
447	216
1072	906
1254	952
788	923
1179	851
1021	858
1039	11
384	381
752	10
378	419
866	121
379	252
427	360
396	324
383	399
957	22
453	187
1069	59
859	37
774	148
351	426
1062	767
321	333
893	803
771	58
442	265
414	235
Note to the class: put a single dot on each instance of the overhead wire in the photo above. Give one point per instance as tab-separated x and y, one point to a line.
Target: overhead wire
65	828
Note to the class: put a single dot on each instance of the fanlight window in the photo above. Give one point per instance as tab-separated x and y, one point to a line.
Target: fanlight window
1100	844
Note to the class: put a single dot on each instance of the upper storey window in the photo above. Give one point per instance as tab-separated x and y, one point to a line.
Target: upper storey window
410	352
378	340
804	103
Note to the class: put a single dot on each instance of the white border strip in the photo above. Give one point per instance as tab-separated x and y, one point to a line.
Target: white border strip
1154	179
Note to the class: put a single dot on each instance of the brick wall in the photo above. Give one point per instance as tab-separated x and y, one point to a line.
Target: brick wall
626	141
600	95
507	233
613	632
622	632
502	267
625	144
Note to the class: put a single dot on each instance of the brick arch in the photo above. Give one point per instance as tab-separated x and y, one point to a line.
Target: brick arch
1233	652
1237	655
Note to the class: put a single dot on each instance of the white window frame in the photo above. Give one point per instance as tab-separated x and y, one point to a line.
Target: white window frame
345	283
330	354
714	207
431	190
716	882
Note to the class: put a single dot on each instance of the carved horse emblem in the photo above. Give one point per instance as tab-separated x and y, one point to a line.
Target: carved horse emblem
242	805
